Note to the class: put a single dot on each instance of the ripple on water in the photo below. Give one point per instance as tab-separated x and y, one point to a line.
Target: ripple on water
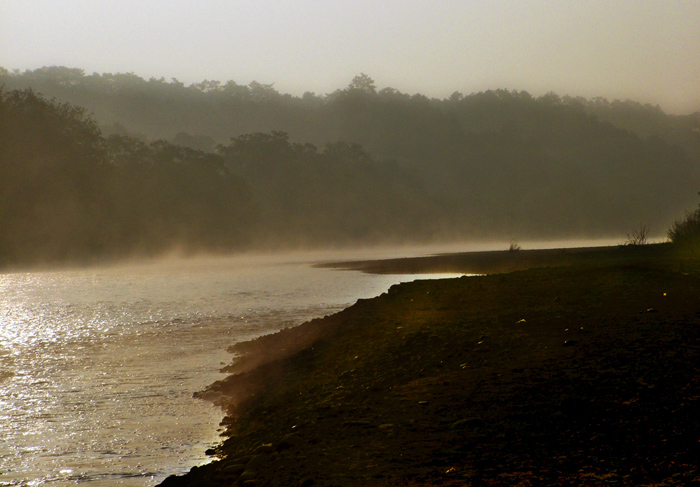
98	366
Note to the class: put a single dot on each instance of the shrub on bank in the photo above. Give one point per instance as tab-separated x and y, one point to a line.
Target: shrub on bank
685	233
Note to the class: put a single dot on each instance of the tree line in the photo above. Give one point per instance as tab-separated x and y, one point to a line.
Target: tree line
158	109
224	167
70	194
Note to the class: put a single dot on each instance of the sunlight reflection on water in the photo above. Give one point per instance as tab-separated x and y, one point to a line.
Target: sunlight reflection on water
98	366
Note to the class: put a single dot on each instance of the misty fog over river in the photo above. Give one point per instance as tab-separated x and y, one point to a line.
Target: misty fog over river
98	365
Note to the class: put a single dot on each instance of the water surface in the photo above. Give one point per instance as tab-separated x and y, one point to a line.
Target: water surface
98	366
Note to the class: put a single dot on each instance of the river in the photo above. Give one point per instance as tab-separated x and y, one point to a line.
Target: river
98	365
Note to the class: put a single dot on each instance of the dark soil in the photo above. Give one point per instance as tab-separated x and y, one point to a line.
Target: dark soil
587	374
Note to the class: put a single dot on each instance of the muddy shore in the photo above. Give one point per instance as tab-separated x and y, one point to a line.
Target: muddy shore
583	372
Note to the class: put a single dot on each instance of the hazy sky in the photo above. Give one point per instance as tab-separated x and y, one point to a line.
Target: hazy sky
646	50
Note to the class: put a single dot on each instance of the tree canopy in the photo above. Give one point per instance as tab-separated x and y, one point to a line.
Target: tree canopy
223	166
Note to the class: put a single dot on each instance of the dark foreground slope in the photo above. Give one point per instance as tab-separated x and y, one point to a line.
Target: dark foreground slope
581	375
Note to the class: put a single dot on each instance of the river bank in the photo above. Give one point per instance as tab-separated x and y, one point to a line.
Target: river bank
582	374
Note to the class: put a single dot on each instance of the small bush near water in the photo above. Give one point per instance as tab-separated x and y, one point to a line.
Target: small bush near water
639	236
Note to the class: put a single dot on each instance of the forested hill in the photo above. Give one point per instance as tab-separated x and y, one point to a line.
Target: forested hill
245	166
211	112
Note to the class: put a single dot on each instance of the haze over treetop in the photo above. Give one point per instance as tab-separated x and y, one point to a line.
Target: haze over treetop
646	51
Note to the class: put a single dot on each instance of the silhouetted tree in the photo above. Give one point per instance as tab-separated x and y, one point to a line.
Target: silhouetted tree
363	83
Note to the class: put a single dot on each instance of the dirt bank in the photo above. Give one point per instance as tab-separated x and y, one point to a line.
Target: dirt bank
587	374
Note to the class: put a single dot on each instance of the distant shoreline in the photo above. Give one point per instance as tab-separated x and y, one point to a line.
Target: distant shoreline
499	261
